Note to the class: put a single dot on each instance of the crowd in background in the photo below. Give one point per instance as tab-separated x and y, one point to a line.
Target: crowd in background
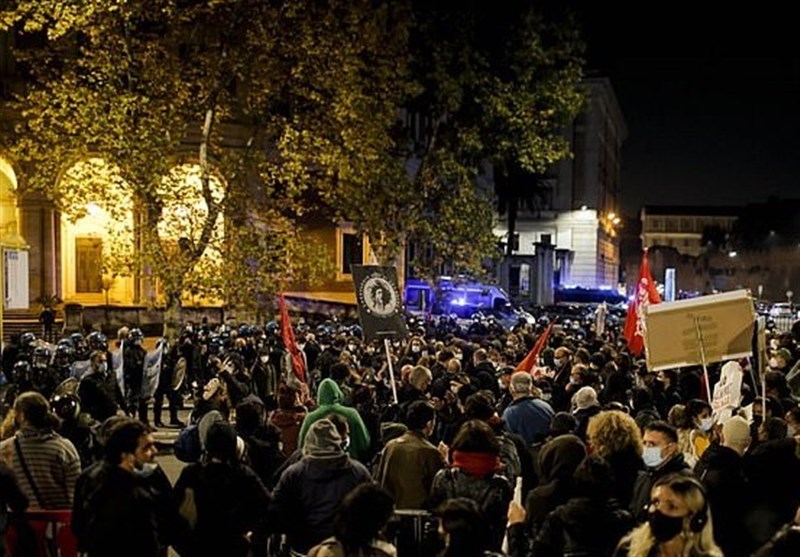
606	456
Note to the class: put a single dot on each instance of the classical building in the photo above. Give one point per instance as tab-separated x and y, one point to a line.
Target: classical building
687	229
577	212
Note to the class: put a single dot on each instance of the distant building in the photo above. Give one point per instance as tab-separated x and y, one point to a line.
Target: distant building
717	249
685	228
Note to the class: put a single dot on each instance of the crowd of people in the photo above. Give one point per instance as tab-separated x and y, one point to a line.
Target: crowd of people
589	453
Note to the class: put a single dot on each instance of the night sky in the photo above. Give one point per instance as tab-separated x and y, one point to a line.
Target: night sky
712	101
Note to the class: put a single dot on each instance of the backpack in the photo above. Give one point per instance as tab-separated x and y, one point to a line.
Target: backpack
187	446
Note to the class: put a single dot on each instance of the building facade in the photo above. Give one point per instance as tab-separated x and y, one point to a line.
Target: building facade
687	229
578	212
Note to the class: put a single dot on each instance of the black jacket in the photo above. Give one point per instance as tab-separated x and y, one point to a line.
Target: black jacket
229	500
115	513
308	494
645	481
721	472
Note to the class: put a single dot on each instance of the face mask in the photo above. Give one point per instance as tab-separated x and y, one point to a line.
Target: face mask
664	527
757	419
773	363
351	348
147	470
558	362
264	359
706	423
102	368
415	348
458	356
652	457
790	431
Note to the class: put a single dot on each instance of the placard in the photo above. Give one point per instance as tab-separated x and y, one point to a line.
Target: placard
722	322
380	305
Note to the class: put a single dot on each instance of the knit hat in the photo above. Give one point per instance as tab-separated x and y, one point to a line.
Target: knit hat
585	398
736	432
209	418
323	441
221	442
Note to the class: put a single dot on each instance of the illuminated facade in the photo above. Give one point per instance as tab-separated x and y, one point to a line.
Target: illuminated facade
579	211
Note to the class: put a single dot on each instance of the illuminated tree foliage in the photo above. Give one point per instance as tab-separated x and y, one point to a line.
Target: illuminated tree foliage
226	121
279	100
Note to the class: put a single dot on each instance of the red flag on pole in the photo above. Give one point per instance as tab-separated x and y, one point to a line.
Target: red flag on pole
287	334
529	361
644	295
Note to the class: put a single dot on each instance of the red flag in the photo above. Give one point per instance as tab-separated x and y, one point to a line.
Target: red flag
644	295
530	360
287	334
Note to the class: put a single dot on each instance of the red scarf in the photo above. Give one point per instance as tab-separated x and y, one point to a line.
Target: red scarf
476	464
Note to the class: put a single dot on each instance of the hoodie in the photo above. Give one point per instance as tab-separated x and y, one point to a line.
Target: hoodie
329	399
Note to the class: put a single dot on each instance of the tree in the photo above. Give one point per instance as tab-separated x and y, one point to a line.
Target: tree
260	103
497	87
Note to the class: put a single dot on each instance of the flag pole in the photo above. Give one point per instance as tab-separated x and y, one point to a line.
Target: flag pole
388	346
703	357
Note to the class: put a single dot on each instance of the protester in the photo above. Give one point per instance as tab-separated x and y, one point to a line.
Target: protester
46	465
359	525
678	522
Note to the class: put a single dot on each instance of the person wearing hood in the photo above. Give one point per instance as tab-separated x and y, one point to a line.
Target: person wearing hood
309	492
220	500
721	471
662	456
329	400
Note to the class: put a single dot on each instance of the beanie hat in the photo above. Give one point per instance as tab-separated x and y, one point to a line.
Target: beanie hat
785	354
584	398
323	441
736	432
221	442
209	418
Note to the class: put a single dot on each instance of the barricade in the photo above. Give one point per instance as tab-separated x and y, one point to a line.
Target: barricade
414	533
51	533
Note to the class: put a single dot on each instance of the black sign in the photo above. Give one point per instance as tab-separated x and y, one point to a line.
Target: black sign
380	305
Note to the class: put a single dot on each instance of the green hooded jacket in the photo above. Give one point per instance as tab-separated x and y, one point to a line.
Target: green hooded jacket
329	399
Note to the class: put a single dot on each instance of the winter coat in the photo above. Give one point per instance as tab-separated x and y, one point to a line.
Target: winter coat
721	471
529	418
308	494
227	501
582	527
406	470
491	493
647	478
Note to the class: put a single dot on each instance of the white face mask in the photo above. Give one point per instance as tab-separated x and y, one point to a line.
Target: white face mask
264	359
351	348
706	424
652	457
147	470
558	361
791	431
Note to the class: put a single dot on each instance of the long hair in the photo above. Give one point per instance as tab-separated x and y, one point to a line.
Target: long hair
698	544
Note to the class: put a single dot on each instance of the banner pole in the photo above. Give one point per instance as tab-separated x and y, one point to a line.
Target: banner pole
388	346
703	357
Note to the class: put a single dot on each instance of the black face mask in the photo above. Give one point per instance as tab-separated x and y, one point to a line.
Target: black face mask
758	419
664	527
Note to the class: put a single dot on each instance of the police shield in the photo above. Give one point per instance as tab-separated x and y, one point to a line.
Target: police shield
179	374
380	305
